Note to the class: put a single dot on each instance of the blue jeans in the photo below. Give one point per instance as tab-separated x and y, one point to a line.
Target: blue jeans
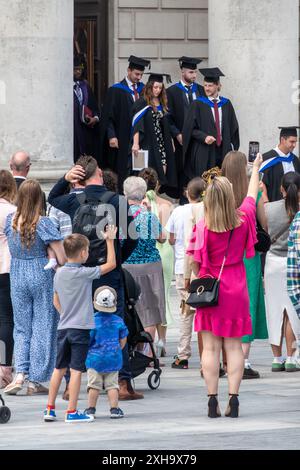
114	279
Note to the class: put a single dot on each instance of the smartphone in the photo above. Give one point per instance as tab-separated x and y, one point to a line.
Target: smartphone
253	151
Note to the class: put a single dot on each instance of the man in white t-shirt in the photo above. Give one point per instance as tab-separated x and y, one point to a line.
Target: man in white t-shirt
180	225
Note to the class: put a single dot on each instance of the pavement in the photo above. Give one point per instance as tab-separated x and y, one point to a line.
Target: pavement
173	417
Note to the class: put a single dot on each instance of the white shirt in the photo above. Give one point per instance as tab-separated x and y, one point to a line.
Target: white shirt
287	166
181	224
220	110
187	95
131	86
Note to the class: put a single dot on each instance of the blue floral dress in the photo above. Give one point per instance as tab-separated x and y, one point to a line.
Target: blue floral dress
35	318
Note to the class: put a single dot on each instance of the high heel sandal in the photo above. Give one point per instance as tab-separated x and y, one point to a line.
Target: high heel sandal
233	406
160	348
213	407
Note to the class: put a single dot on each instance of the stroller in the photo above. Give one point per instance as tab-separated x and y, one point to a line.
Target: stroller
137	335
4	412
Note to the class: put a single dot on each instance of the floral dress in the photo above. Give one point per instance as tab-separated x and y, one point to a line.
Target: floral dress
157	118
35	318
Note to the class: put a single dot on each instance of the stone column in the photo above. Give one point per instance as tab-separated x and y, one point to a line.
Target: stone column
255	44
36	84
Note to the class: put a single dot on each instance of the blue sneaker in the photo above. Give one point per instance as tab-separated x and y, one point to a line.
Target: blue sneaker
78	417
116	413
49	415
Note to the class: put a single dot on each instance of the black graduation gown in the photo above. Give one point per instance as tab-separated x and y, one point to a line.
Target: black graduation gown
86	139
272	176
148	141
199	123
178	105
116	122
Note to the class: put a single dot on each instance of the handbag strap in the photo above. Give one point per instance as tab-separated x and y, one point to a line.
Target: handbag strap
225	257
278	235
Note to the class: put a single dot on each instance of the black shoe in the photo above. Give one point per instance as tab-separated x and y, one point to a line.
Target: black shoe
233	407
250	374
213	407
222	372
180	364
90	411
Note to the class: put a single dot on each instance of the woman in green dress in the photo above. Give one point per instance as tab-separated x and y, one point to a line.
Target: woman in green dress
234	167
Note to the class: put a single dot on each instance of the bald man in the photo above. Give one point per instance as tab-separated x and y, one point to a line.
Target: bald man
20	166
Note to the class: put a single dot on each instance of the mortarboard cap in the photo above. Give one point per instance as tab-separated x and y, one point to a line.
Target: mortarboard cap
290	131
212	75
189	62
138	63
79	60
158	77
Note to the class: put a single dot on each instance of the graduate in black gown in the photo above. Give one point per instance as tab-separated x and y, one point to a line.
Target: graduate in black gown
86	114
180	96
279	161
210	129
151	131
117	119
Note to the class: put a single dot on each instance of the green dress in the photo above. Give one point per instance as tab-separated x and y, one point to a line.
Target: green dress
256	295
167	258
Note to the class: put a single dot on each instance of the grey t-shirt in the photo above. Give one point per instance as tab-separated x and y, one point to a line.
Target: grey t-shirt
277	221
73	284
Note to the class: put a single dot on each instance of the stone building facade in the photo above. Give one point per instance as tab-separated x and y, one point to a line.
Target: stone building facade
254	42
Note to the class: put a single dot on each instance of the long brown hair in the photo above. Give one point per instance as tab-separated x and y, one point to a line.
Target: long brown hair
234	167
147	93
8	187
219	206
29	211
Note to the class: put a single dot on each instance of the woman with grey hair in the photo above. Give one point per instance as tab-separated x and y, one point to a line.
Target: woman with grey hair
144	263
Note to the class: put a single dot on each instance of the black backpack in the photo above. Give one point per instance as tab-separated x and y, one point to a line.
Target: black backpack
89	221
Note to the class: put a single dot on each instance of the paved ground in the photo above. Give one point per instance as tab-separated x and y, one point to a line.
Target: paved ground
172	417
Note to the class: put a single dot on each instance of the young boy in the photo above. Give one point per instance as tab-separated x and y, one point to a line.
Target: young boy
73	300
104	358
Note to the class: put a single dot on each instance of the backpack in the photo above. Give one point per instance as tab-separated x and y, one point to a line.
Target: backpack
89	221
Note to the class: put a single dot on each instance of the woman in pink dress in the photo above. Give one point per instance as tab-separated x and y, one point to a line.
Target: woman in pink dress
230	319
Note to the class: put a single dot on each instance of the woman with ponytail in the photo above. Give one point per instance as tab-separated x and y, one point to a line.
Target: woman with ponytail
282	318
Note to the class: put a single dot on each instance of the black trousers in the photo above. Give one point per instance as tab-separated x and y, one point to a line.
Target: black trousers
6	322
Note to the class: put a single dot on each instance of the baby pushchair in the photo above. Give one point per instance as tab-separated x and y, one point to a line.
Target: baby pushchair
138	336
4	412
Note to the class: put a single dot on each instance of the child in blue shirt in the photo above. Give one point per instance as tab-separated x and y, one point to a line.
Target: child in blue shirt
104	358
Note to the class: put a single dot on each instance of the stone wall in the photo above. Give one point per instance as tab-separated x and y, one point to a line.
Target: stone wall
161	30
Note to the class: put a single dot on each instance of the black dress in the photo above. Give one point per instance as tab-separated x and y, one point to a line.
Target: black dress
155	136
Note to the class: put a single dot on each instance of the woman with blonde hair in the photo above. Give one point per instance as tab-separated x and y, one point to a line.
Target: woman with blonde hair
234	168
217	246
151	132
8	191
35	318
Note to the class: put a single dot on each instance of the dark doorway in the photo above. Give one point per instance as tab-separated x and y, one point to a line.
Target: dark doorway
91	39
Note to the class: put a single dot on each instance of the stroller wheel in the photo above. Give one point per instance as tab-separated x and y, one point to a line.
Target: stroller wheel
4	414
154	380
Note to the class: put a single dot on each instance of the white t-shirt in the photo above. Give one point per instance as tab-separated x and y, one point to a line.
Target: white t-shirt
181	223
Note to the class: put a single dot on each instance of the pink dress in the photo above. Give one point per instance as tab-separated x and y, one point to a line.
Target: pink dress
231	317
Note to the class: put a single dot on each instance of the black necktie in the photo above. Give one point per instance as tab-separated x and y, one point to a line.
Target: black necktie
190	93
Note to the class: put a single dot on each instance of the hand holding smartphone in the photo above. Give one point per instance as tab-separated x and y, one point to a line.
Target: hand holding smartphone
253	151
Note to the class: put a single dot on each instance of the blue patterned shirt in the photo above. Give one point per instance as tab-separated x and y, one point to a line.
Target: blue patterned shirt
105	353
148	229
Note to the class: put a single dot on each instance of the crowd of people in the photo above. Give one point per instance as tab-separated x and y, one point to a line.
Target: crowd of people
62	297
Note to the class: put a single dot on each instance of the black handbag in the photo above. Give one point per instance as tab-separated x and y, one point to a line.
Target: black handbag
263	239
204	291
